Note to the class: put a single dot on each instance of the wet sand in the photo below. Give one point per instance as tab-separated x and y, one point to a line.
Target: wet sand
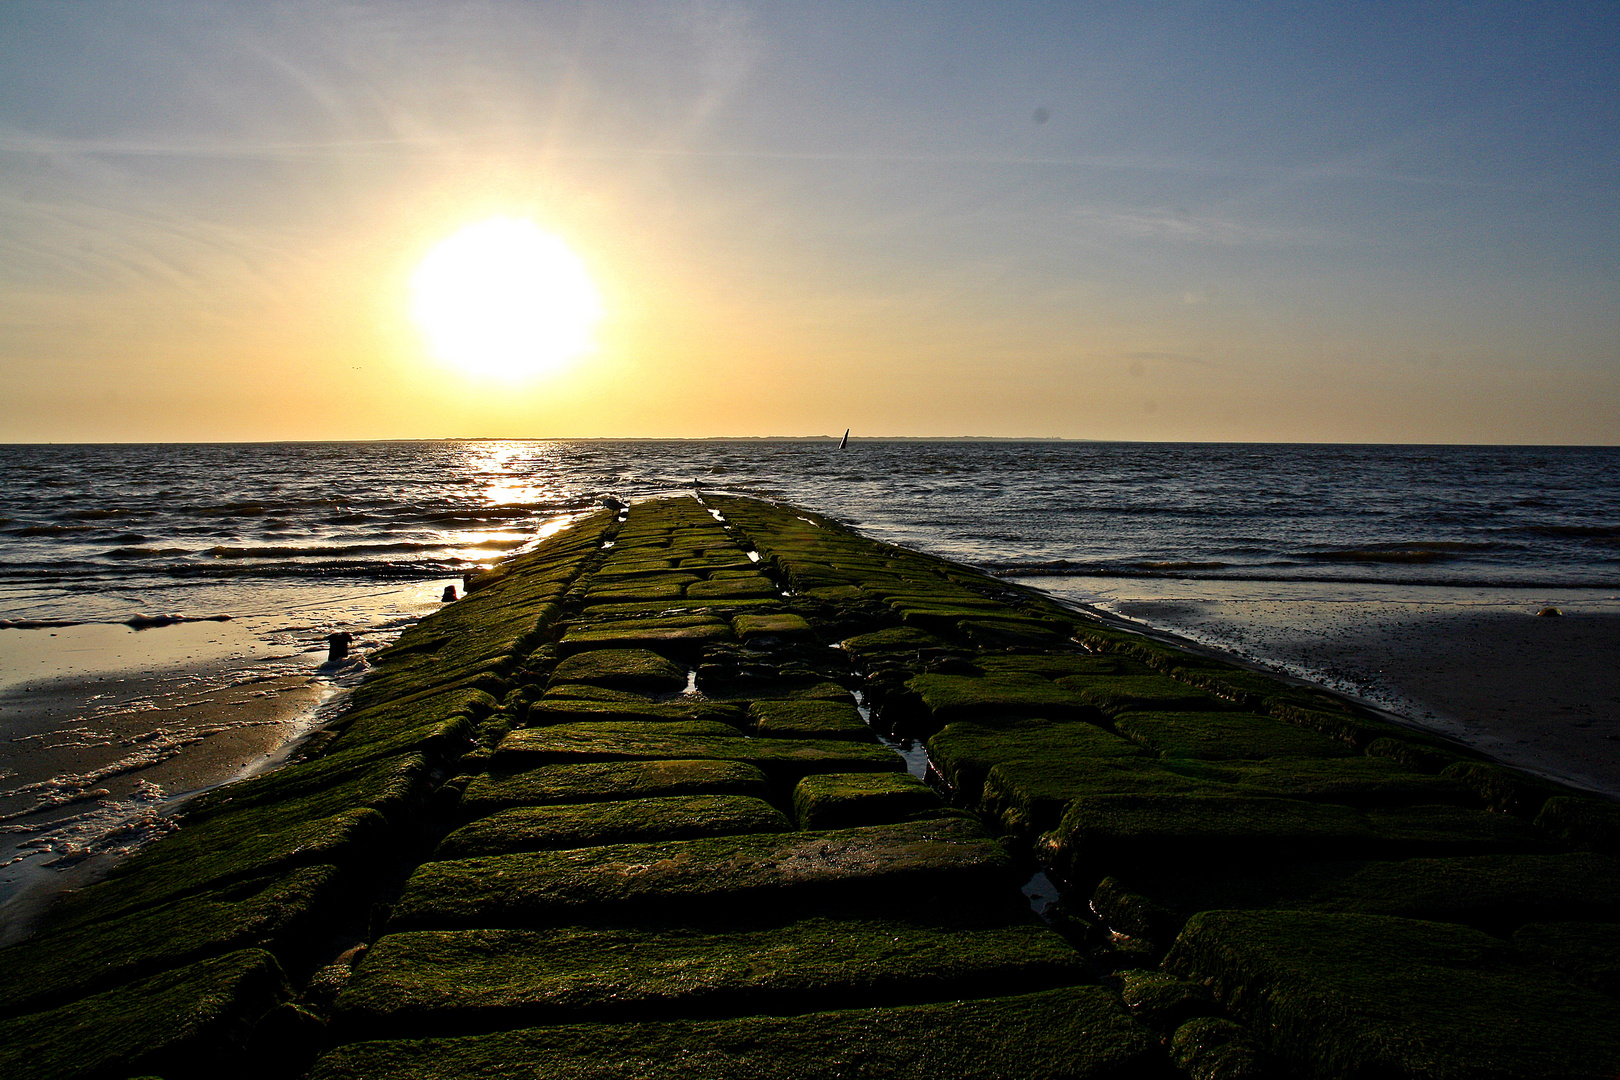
1539	693
114	728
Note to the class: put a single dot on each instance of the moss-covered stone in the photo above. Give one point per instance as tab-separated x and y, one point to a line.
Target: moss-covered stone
680	641
904	864
1213	1048
1371	996
742	587
990	633
1356	781
1413	754
685	605
678	710
1221	736
1058	665
1593	824
675	741
1588	952
597	781
585	692
1113	694
191	1022
275	911
1026	796
1106	833
1495	893
749	627
670	817
459	980
223	851
621	669
1163	1001
997	699
842	800
894	641
1502	788
1078	1033
964	753
639	590
808	719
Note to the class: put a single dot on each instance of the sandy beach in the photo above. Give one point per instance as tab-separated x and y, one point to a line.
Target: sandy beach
1539	693
107	730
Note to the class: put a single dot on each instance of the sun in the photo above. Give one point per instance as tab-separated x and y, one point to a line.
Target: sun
505	298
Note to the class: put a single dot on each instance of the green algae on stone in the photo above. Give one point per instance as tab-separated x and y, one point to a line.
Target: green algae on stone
456	980
670	817
586	692
808	719
635	592
1113	694
324	786
1413	754
620	669
1163	1001
679	641
686	605
609	780
1588	952
1363	996
1076	1033
188	1023
894	641
1581	822
1502	788
1494	893
996	699
1357	781
549	711
1221	736
1107	833
841	800
630	742
1058	665
748	627
751	586
223	850
897	864
965	752
1213	1048
1026	796
272	911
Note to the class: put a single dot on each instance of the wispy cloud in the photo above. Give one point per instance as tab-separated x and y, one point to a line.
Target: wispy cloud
1180	226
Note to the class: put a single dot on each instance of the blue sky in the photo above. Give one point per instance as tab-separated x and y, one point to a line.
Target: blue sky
1380	222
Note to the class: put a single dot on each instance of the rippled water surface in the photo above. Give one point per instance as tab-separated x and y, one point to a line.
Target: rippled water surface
94	532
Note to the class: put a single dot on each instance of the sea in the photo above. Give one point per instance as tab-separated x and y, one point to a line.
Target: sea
1269	553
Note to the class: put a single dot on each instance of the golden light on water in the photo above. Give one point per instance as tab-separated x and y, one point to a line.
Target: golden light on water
505	298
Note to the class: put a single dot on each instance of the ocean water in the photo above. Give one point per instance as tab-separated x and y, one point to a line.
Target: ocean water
98	532
285	543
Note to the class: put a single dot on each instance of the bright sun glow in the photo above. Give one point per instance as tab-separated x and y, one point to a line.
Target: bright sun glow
505	298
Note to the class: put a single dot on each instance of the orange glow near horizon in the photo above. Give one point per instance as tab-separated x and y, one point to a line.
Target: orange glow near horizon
507	299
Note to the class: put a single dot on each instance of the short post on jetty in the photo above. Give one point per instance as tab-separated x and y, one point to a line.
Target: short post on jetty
636	805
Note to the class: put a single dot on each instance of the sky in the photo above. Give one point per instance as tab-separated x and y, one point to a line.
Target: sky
1373	222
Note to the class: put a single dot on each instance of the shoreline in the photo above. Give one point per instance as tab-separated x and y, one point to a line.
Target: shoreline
1448	669
102	752
1480	668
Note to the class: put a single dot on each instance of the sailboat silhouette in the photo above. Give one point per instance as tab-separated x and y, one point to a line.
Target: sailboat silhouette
845	440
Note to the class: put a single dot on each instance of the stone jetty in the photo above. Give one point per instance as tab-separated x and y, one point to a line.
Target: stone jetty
636	806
